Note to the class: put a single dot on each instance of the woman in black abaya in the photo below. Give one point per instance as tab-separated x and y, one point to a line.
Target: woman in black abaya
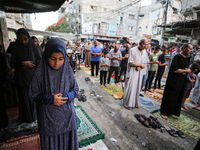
25	57
174	88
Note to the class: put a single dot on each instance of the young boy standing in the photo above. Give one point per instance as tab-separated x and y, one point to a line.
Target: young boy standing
153	64
74	59
104	68
161	69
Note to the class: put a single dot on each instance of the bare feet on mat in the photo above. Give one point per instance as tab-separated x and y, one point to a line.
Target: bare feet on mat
128	108
185	107
164	117
137	107
182	109
194	103
101	86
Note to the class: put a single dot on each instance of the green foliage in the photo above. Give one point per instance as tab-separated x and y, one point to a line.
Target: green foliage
64	25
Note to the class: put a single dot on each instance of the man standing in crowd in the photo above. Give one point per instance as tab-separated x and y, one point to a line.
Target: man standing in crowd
153	64
174	88
136	62
194	52
161	69
168	60
145	70
124	62
87	53
115	56
178	51
95	58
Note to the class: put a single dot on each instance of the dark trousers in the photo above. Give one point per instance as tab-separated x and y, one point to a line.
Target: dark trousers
158	78
197	147
3	115
94	63
116	70
123	70
73	65
103	75
151	75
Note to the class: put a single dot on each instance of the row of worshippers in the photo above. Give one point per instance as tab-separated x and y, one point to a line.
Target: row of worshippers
180	79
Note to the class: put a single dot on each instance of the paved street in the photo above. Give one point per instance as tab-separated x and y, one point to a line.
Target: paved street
119	123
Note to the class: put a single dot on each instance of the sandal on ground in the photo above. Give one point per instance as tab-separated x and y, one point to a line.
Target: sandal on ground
172	132
142	119
180	133
152	123
146	122
160	126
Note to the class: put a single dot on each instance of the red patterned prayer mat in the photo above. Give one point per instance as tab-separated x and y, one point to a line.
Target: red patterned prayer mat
31	142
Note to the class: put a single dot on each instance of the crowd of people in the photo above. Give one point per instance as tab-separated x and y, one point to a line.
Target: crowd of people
41	74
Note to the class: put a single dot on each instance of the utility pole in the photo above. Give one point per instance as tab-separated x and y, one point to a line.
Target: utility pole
164	22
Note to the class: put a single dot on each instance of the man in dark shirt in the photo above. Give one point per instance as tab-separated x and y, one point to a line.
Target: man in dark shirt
124	61
161	68
107	49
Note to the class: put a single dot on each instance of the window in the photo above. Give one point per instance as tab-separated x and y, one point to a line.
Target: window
121	20
141	16
130	28
93	8
131	16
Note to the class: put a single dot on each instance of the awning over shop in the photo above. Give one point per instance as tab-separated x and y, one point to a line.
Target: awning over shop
65	36
30	6
105	39
182	28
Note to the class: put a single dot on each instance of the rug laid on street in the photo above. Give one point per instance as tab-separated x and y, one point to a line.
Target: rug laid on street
154	95
197	108
22	143
113	89
85	68
88	132
183	123
149	105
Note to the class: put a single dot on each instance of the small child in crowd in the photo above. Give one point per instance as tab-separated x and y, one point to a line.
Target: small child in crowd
74	59
104	63
189	84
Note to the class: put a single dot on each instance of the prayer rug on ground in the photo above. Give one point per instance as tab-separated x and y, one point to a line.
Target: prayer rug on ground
155	96
149	105
85	68
88	132
113	89
183	123
197	108
22	143
118	96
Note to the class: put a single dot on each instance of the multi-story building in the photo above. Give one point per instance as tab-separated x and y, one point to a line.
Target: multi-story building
155	16
107	19
16	21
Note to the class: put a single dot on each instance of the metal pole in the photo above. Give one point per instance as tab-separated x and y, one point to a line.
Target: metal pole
164	22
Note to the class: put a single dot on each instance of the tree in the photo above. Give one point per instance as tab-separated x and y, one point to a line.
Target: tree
64	25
